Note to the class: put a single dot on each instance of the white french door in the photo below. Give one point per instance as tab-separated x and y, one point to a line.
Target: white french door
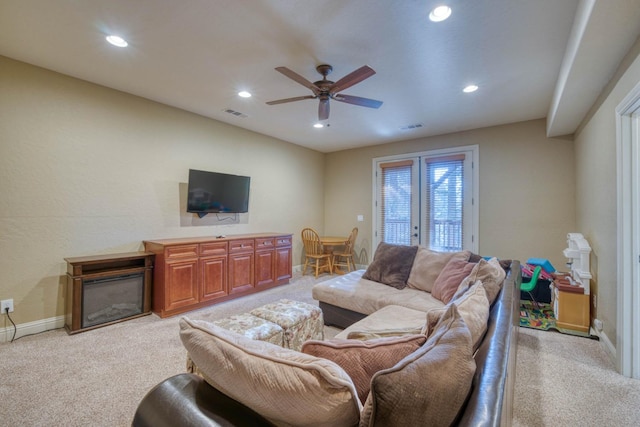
427	198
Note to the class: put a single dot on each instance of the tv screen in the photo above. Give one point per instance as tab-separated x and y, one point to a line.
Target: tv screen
211	192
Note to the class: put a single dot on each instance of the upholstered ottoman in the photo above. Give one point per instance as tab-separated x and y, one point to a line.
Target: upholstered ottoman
299	320
256	328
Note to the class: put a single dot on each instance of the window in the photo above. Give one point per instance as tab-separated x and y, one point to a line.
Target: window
427	198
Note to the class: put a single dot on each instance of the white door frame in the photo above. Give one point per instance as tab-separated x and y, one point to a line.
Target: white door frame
628	234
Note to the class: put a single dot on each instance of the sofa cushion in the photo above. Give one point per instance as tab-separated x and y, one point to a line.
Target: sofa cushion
285	386
362	359
426	267
490	273
353	292
452	276
473	307
391	265
392	319
428	386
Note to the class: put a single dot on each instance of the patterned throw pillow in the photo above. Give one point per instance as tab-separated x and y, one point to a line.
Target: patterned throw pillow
362	359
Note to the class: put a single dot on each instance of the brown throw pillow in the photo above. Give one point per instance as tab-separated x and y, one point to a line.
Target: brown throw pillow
429	386
361	359
451	276
391	265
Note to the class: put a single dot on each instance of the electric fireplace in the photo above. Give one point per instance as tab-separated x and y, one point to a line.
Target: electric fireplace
105	289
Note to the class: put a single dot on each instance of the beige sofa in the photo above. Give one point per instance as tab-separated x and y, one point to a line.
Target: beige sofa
456	376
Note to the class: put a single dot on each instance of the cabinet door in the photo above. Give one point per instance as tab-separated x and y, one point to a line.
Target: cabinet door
240	272
265	262
213	278
283	264
181	286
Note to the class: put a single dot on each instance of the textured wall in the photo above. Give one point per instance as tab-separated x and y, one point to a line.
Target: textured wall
596	195
87	170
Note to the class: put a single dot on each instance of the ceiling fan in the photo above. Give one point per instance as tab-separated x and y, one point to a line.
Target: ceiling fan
324	89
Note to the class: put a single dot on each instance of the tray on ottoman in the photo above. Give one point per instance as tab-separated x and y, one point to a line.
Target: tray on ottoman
299	320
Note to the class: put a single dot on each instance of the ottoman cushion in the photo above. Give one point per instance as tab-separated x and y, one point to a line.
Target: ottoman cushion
299	320
253	327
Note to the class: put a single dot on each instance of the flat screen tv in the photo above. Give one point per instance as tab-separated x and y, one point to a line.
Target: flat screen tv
214	192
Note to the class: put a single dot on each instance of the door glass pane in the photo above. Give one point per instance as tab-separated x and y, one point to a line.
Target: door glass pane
445	203
396	204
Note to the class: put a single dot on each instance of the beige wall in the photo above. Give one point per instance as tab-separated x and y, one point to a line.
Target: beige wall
596	194
526	199
88	170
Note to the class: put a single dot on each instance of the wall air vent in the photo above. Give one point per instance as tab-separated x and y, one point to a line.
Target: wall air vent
235	113
409	127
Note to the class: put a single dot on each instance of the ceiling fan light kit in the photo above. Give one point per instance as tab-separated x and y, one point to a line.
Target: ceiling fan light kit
324	90
440	13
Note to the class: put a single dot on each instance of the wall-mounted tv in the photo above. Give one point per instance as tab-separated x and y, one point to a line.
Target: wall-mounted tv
214	192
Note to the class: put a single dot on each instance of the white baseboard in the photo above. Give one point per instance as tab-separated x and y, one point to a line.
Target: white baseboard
22	329
606	345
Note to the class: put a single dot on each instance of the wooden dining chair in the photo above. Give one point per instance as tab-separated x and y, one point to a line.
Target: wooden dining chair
344	256
314	254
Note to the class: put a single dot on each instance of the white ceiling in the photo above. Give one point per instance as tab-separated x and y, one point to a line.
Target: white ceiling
530	58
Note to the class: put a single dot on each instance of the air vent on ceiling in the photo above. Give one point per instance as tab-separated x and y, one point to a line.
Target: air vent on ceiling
409	127
235	113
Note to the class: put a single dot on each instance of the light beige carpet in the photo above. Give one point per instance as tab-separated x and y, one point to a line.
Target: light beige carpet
97	378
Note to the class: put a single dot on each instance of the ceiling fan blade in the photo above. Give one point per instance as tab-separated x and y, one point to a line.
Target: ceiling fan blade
298	78
350	79
323	109
297	98
356	100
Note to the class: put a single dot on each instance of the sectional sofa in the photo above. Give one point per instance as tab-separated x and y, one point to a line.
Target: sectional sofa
458	365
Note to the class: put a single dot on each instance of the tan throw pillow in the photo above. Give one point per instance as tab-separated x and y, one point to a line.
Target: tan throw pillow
362	359
491	274
429	386
391	265
451	276
427	265
473	307
285	386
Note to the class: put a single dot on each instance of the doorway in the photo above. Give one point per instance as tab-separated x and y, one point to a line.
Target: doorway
628	233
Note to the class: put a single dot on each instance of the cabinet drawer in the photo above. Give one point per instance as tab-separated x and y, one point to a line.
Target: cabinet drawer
183	251
283	241
239	246
263	244
213	248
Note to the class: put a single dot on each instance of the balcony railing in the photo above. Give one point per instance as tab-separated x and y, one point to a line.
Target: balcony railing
446	235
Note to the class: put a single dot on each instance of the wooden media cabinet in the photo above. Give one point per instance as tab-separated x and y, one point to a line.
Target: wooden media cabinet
196	272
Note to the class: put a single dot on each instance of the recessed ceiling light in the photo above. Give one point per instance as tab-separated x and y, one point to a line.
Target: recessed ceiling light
318	125
440	13
117	41
470	88
244	94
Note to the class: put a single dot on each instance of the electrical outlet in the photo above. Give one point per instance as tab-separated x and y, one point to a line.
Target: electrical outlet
6	303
